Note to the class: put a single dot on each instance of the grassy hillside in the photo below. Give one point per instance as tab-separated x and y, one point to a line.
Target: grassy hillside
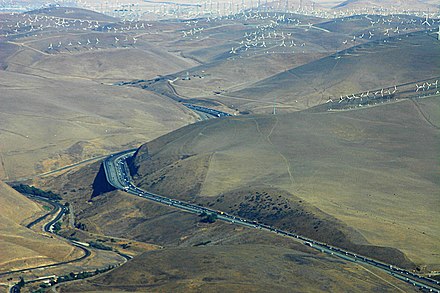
58	83
71	12
184	238
363	68
198	256
22	247
376	169
298	63
65	121
228	268
411	5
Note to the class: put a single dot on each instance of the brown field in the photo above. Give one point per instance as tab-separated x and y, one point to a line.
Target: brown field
238	268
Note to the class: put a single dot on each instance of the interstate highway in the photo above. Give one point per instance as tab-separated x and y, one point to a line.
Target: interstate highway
118	175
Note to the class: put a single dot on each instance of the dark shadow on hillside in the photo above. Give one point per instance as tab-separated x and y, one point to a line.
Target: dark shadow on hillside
100	184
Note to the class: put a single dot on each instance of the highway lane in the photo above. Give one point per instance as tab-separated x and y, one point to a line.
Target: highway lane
207	111
52	212
117	174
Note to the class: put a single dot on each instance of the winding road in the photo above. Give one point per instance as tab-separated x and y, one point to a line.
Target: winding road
60	210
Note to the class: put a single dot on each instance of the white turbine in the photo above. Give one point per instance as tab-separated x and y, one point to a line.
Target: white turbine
426	21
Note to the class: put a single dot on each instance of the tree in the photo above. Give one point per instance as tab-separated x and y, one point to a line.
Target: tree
21	283
209	218
57	227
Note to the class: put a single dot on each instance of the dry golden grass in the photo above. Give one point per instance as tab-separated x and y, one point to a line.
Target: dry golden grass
22	247
49	123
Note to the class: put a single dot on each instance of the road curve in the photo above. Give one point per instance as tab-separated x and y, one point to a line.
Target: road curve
118	175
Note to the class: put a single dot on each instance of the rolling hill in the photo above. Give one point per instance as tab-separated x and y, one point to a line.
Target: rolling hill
306	68
22	247
363	68
72	12
408	5
374	170
238	268
59	105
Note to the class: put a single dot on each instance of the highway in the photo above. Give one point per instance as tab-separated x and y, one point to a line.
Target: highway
208	111
118	175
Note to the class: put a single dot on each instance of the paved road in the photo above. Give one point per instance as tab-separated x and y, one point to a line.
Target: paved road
208	111
118	175
52	212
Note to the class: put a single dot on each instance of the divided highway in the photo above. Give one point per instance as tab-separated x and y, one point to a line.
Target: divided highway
118	175
208	111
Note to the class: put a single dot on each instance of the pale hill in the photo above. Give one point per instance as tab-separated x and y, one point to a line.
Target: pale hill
199	255
330	59
367	67
22	247
48	123
60	85
238	57
376	170
411	5
72	12
13	201
238	268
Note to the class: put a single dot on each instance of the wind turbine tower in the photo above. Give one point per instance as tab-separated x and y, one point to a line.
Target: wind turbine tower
274	106
438	33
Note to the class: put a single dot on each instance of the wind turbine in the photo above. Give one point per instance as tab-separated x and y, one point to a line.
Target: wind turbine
275	106
438	33
426	21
